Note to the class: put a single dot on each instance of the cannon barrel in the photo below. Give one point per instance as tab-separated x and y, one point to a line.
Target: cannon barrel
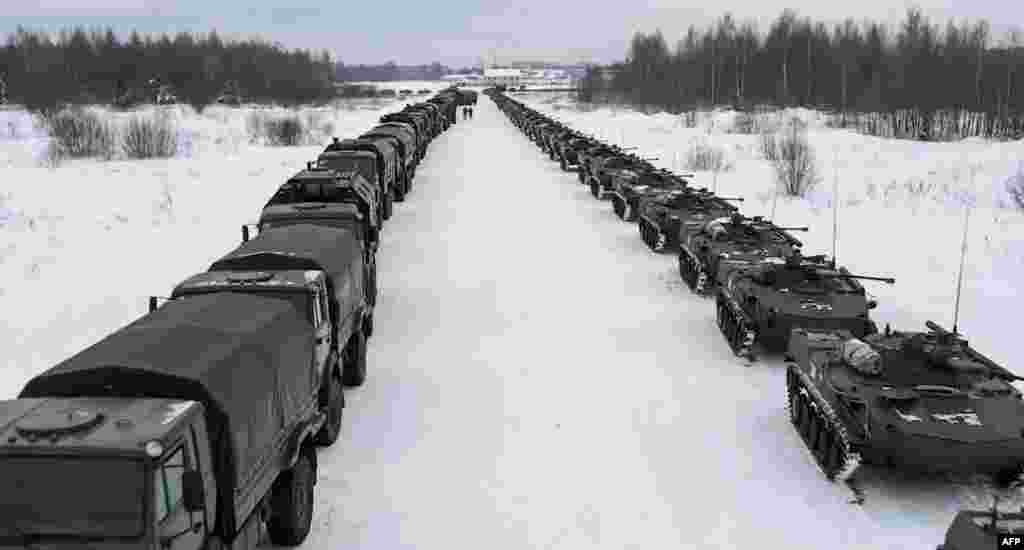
889	280
790	228
737	199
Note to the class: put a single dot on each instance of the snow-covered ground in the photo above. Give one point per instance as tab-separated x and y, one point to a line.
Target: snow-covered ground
538	379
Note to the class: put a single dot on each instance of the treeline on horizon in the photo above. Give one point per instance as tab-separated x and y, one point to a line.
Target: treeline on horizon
79	66
391	71
866	67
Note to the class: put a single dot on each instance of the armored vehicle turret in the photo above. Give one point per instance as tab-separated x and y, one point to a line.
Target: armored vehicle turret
919	401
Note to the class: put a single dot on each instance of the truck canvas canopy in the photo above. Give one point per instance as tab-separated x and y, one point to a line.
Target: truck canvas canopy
301	246
203	349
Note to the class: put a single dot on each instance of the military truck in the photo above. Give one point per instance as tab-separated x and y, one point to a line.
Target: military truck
376	161
405	137
403	170
417	122
340	261
325	197
188	429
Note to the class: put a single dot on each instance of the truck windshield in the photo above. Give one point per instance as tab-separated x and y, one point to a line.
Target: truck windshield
92	497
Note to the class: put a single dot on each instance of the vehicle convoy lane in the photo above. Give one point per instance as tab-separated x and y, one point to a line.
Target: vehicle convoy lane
541	380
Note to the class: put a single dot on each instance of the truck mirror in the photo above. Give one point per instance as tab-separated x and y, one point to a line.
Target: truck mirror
245	233
152	304
193	495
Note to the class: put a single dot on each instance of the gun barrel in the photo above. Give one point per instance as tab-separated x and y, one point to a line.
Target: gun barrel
889	280
737	199
792	228
935	327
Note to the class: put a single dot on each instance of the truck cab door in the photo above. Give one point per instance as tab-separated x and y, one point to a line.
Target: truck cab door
176	527
322	324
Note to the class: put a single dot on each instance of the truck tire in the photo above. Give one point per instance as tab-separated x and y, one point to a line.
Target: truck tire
291	505
329	432
387	206
368	325
354	370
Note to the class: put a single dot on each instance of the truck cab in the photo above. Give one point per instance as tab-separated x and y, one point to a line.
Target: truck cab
148	458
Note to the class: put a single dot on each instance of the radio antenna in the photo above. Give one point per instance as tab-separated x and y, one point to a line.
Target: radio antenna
960	275
835	207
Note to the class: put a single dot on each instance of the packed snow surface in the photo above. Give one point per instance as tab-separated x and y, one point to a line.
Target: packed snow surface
538	378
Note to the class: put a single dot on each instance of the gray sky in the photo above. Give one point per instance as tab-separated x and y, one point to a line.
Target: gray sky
460	32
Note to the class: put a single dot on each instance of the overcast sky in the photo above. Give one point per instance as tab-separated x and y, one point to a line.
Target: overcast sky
461	32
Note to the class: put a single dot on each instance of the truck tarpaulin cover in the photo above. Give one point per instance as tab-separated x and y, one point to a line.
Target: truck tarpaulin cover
240	355
301	246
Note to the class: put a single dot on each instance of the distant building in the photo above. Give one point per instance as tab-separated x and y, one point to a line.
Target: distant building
503	77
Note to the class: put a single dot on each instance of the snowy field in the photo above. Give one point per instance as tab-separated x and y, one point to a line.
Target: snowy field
538	378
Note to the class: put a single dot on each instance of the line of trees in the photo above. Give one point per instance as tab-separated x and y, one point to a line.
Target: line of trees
864	67
79	66
390	72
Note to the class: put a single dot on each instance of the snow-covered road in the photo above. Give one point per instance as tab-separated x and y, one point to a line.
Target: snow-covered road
540	380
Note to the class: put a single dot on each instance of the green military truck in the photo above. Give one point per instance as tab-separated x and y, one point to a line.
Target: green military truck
188	429
322	196
376	161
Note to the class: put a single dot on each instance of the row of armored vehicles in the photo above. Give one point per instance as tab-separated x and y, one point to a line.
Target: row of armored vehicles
921	400
194	426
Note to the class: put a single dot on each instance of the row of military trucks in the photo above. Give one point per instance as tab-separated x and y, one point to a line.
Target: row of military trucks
195	426
918	400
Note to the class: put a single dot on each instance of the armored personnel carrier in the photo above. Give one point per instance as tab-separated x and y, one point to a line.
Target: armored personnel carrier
629	186
763	302
921	401
607	167
708	252
982	530
662	216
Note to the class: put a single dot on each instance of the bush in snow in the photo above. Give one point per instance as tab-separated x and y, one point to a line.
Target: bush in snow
77	133
150	137
1015	187
704	156
744	123
769	146
287	130
795	168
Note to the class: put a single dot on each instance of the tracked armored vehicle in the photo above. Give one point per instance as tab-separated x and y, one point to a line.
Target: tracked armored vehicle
921	401
607	168
710	251
629	186
661	217
982	530
762	302
569	152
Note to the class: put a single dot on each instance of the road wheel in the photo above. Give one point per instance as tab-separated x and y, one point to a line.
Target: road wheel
354	371
328	434
292	504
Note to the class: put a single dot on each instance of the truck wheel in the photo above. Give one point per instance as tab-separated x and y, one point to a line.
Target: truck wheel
354	373
292	504
329	432
368	325
388	209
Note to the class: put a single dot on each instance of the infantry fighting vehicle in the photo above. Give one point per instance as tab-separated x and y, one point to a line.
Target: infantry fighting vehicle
662	216
606	168
628	187
922	401
982	530
710	251
762	302
188	429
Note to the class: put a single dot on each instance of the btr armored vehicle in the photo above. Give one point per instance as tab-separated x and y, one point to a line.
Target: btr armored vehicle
662	216
709	252
920	401
762	302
